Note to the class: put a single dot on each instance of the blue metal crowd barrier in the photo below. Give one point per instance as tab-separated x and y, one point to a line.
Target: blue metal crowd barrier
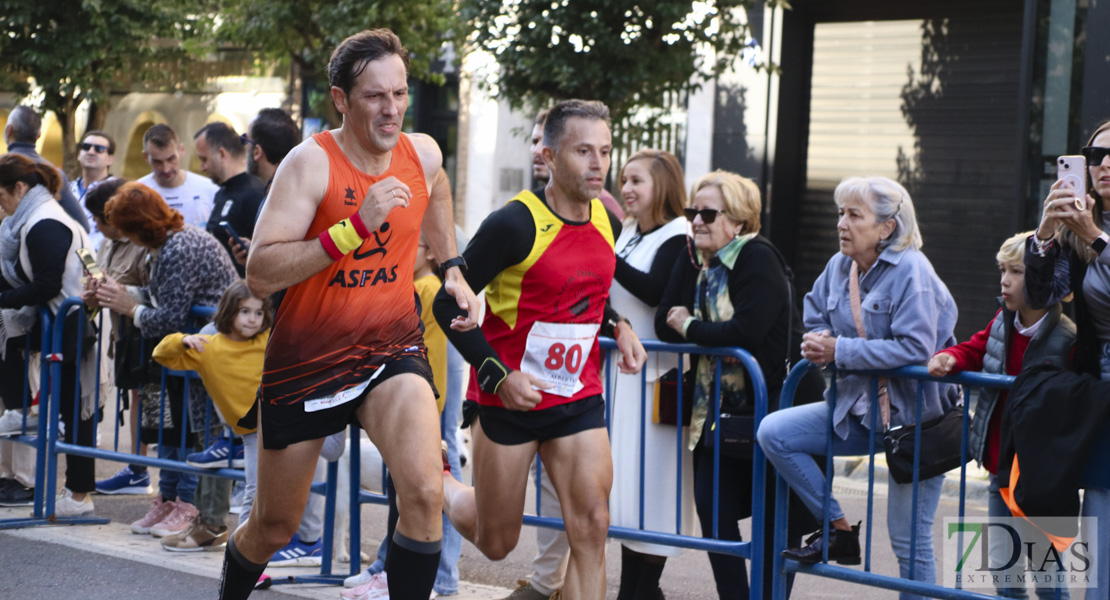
1095	477
51	447
743	549
37	436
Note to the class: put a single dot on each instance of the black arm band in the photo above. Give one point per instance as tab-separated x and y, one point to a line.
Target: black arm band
491	374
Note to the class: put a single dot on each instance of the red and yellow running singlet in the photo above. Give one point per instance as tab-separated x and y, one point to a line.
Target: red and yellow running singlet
544	313
334	329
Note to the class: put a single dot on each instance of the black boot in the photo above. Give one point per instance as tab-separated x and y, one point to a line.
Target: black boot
843	548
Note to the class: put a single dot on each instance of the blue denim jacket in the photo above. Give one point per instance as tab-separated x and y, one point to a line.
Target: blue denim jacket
908	314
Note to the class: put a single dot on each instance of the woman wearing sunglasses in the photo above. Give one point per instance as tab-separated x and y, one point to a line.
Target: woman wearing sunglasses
1068	255
654	193
730	289
906	314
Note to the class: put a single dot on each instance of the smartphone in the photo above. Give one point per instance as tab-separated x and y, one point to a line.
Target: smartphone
88	262
231	235
1072	171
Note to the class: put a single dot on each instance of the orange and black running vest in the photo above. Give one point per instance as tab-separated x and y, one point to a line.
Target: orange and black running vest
334	329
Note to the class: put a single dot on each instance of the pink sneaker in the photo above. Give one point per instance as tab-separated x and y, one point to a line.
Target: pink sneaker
160	510
375	589
177	521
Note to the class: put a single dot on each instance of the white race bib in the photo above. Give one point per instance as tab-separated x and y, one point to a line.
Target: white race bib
556	353
342	397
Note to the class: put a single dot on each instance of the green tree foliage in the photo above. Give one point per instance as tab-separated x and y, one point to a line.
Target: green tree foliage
626	53
306	31
77	50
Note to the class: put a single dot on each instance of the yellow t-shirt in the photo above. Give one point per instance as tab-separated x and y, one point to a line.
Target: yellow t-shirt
434	339
231	371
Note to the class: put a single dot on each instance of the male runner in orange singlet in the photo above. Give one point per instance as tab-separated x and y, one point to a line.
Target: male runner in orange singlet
339	232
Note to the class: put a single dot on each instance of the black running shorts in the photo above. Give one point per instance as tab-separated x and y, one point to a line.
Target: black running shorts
512	427
286	425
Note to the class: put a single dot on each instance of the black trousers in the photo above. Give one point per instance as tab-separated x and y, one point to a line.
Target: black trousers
735	503
80	470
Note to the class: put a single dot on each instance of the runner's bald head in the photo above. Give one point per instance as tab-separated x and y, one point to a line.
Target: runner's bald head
352	55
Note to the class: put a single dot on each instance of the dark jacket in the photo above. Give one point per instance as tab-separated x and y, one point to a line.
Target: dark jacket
759	285
1050	278
1051	422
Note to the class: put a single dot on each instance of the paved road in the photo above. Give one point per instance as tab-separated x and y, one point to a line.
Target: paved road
36	570
110	562
127	572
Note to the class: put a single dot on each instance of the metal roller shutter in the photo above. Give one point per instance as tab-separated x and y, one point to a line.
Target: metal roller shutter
932	104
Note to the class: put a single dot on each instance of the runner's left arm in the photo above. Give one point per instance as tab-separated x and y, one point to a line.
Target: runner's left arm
503	240
439	231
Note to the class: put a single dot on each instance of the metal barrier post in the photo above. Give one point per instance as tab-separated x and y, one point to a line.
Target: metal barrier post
782	567
52	443
36	437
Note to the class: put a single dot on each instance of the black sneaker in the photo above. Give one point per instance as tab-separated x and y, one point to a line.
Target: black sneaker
14	494
843	548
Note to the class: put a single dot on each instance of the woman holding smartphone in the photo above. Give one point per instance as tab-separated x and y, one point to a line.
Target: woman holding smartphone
38	243
1068	255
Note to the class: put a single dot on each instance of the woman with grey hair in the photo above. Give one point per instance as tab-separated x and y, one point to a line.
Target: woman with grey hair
907	315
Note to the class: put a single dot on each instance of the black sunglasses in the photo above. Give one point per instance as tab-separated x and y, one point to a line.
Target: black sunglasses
1094	155
246	140
99	148
708	215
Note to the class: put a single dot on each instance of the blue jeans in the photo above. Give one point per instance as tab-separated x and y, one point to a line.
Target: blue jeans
791	437
174	485
447	575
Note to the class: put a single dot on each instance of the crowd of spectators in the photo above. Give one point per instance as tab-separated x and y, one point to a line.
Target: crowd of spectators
692	267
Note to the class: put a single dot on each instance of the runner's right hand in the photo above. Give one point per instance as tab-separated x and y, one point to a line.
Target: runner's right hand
381	199
516	391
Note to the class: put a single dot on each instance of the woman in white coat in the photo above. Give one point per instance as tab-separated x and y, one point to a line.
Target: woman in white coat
653	237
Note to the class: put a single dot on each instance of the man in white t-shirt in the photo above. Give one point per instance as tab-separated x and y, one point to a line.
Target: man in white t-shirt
189	193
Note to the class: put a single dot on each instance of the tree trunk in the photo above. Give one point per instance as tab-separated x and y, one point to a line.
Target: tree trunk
67	117
98	114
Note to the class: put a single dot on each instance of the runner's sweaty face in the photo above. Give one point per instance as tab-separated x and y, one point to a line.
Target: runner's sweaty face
579	166
375	107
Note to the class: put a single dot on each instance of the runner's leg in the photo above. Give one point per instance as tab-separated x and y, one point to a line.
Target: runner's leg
401	419
490	513
581	468
284	479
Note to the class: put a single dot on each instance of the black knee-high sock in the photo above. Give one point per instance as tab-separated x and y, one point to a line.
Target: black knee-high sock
410	567
647	588
239	574
631	564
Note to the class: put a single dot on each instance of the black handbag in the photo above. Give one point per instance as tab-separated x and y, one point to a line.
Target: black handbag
940	447
737	436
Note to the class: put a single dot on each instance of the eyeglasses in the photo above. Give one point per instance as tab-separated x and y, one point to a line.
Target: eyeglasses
99	148
1094	155
246	140
708	215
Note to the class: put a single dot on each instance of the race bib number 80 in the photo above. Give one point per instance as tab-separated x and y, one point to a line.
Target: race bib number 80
556	353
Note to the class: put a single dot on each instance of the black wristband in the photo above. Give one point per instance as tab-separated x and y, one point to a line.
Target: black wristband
458	261
491	374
